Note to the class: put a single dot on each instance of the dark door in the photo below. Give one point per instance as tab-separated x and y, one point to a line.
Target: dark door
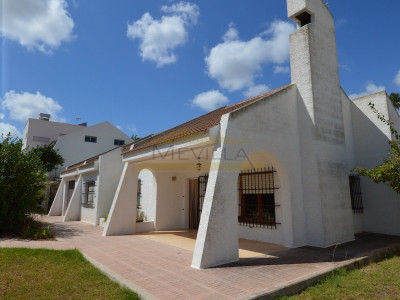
197	192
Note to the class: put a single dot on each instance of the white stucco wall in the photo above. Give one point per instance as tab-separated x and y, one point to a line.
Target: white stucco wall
45	129
57	206
74	149
371	136
172	209
324	153
122	216
260	127
110	170
89	214
73	212
348	128
148	197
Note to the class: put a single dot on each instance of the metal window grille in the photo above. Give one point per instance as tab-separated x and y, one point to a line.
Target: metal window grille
139	194
88	195
256	191
355	194
202	187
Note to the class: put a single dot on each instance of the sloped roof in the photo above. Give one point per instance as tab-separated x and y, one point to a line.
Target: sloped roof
194	126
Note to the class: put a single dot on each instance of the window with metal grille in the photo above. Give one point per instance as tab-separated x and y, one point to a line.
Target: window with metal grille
88	194
90	139
355	194
256	190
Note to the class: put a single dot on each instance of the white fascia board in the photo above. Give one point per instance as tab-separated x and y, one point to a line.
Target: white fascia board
89	169
81	170
199	140
68	175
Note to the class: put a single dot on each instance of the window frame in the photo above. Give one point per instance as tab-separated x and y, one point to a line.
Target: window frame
87	192
118	142
259	182
90	139
355	194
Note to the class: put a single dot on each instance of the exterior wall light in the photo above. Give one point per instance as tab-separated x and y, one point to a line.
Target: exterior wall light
198	165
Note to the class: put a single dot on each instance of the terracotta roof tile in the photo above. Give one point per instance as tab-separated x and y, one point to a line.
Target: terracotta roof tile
197	125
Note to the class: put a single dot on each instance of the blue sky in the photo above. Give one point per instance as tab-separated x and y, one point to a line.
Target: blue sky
148	65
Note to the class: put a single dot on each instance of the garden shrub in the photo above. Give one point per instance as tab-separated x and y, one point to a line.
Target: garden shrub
22	181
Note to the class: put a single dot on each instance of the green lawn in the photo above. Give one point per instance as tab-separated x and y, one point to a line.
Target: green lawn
376	281
53	274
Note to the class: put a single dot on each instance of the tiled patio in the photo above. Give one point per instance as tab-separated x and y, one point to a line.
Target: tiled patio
159	270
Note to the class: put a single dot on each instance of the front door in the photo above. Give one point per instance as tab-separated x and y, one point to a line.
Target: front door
197	192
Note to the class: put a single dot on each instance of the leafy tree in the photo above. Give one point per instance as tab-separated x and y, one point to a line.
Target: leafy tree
135	137
49	157
395	97
389	171
22	180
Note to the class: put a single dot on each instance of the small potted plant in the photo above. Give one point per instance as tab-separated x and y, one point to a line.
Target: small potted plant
140	216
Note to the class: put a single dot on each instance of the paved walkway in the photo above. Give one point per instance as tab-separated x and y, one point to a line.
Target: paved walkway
161	271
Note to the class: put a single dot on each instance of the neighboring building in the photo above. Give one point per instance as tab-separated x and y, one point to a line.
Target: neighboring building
87	142
87	188
42	131
74	142
274	168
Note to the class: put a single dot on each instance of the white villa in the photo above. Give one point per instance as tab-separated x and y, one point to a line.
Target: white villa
74	142
275	168
87	142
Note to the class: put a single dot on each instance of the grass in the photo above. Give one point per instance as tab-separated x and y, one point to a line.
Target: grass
53	274
376	281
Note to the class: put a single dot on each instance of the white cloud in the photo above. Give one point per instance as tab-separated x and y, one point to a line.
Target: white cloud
22	106
159	38
6	128
256	90
397	79
42	24
281	70
1	116
209	100
235	63
187	11
340	22
132	128
232	33
370	88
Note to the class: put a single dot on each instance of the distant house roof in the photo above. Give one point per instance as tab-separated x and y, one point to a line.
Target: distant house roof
194	126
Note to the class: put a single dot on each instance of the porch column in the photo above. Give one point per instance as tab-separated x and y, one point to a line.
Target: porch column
64	197
73	212
122	216
56	207
218	238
